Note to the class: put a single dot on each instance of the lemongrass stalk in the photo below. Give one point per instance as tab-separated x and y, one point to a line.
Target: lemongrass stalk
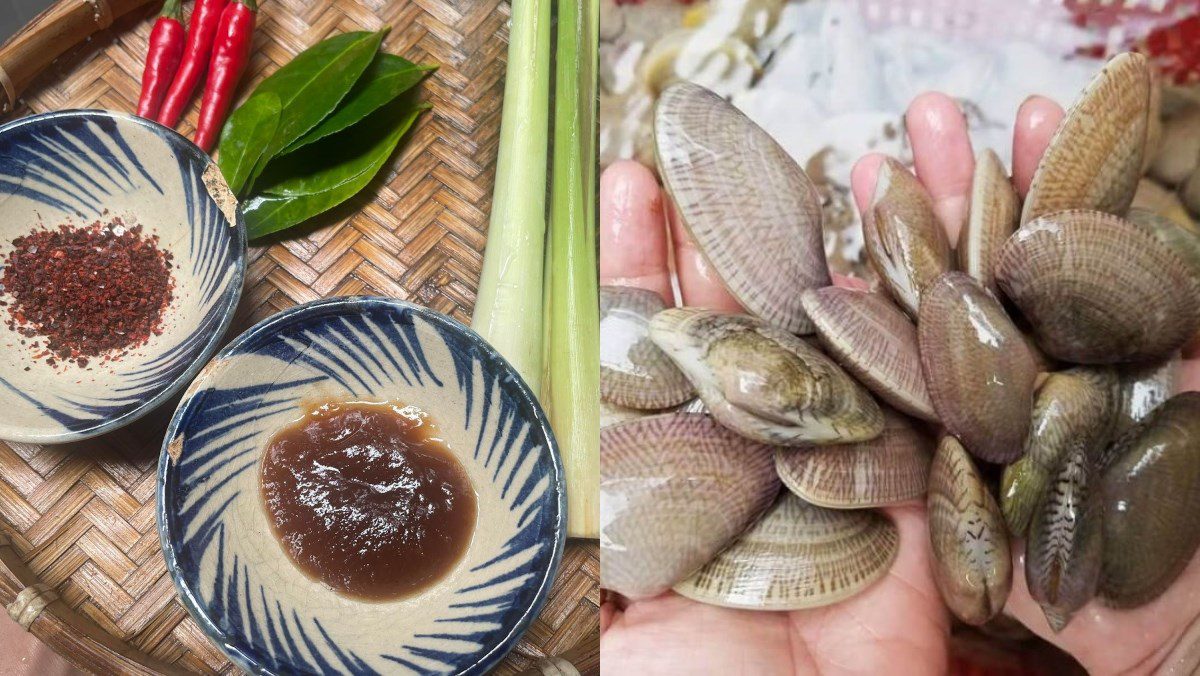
572	384
508	305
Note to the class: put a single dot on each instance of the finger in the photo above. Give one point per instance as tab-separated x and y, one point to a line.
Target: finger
1037	119
862	179
942	155
633	234
1189	376
699	284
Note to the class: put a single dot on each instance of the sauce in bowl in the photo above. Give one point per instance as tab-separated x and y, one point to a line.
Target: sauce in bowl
368	499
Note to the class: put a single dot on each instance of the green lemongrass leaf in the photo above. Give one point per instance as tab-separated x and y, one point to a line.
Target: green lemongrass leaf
330	172
387	77
572	375
508	305
244	138
312	84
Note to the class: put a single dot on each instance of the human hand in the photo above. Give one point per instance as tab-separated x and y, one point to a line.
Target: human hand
1159	636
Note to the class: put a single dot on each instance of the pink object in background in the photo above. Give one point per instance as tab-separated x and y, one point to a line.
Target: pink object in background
23	655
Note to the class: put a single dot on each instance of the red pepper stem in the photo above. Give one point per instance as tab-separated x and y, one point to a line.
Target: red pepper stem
172	9
249	3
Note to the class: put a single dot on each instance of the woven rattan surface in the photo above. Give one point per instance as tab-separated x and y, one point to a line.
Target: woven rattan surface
79	519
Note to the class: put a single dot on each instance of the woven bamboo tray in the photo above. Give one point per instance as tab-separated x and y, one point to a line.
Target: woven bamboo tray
79	551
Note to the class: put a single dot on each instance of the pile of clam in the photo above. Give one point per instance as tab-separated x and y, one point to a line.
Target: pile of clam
1021	383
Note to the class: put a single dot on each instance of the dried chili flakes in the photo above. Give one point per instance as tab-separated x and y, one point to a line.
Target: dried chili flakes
91	291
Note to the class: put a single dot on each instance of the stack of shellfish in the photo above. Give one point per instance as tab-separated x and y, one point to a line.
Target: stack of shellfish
1021	384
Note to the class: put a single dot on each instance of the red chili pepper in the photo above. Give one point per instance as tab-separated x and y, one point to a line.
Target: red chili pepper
163	53
202	27
230	54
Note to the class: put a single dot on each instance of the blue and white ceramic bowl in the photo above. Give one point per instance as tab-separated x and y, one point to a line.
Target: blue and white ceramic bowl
73	167
232	573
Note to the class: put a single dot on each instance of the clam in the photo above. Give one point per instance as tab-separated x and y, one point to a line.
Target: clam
978	369
876	342
887	470
905	242
749	207
1094	159
675	489
1152	498
764	382
1181	240
1062	553
1098	289
992	218
798	556
971	561
1143	387
1021	489
634	373
1076	408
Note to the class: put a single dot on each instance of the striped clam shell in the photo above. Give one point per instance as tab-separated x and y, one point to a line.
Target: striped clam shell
750	208
905	242
1098	289
675	489
798	556
887	470
991	220
978	368
634	372
876	342
1094	159
971	561
763	382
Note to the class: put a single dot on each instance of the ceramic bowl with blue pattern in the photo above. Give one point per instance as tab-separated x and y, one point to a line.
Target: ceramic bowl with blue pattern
79	166
233	574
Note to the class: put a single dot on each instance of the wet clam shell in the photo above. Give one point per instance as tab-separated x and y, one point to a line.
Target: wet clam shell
992	218
979	371
1098	289
750	208
1152	498
1072	408
971	561
1183	241
1094	159
763	382
634	373
875	342
905	242
1143	387
1021	489
675	489
887	470
798	556
1062	552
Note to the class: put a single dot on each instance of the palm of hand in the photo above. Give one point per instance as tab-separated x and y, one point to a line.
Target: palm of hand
900	624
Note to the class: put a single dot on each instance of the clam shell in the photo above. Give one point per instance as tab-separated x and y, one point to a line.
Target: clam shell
675	489
905	242
1152	498
992	219
971	561
1143	387
876	342
1021	489
887	470
1095	157
1062	553
1181	240
749	207
634	373
763	382
798	556
1098	289
1076	408
978	369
